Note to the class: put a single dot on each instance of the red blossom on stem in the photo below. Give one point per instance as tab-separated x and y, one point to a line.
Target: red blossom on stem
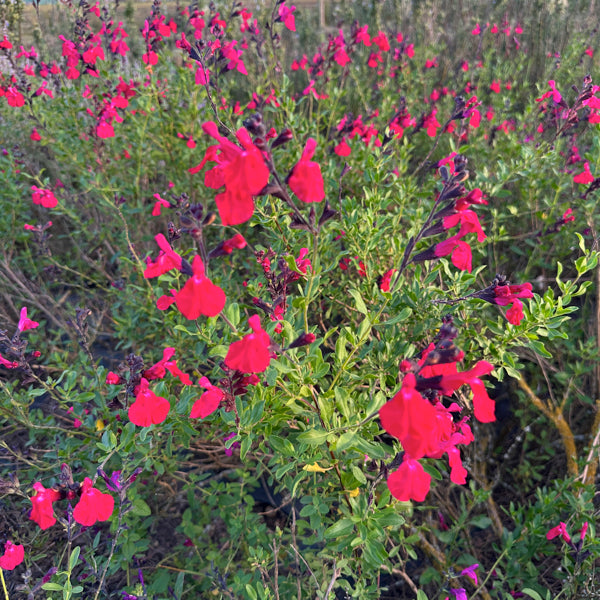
42	511
560	529
410	481
93	505
584	177
24	322
167	259
251	353
43	197
242	171
13	556
148	408
200	296
305	179
209	402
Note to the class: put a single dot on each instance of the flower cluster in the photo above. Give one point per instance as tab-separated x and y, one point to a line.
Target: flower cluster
93	505
502	293
452	208
424	425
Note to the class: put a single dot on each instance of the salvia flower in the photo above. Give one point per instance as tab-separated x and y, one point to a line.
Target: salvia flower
167	259
410	481
585	176
148	408
42	511
200	296
559	530
305	179
210	400
242	171
93	505
13	556
43	197
24	322
251	353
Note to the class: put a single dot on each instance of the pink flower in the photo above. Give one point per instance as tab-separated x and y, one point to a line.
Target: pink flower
148	408
24	322
93	505
410	481
13	556
42	511
200	296
470	572
561	530
209	401
286	14
305	179
586	176
251	353
43	197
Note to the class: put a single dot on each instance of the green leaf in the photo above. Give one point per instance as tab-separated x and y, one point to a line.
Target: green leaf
340	528
359	475
532	594
346	440
421	595
313	437
140	508
74	558
539	348
401	316
54	587
361	307
281	445
481	521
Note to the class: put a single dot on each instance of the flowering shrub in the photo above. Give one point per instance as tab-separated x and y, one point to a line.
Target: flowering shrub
360	260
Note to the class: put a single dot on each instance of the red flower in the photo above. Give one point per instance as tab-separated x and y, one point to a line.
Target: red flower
159	369
556	95
13	556
167	259
35	136
251	353
460	251
586	176
44	197
514	314
287	16
200	296
410	481
148	408
42	511
208	402
24	322
93	505
242	171
305	179
505	294
105	130
410	418
114	379
483	405
561	530
495	87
